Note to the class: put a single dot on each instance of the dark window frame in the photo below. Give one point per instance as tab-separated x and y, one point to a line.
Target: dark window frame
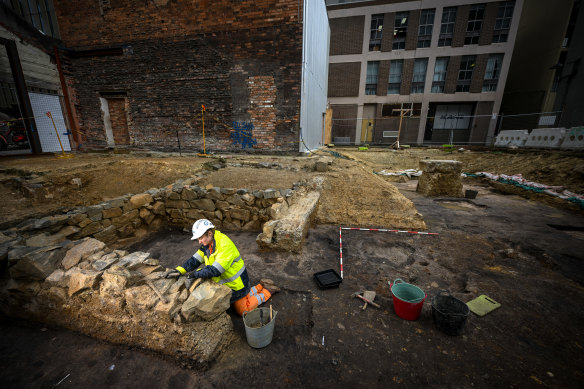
400	30
425	28
447	26
376	32
465	72
474	25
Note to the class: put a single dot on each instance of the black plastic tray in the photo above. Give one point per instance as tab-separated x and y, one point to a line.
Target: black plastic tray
327	279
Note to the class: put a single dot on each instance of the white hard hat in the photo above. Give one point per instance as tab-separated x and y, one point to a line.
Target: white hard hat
200	227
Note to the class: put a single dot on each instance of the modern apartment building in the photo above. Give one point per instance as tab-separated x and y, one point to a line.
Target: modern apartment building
438	67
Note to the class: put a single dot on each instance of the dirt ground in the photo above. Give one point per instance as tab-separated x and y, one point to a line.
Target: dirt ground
519	251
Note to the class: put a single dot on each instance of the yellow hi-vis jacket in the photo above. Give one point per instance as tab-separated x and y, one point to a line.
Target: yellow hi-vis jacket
224	257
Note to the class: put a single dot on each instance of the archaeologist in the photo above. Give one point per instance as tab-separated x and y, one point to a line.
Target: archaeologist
224	265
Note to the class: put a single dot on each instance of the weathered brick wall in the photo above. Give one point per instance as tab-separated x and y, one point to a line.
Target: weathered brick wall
413	27
460	26
452	74
478	73
347	35
486	36
407	73
117	110
83	23
343	79
206	56
387	36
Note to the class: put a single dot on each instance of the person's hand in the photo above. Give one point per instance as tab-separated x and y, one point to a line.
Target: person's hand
171	274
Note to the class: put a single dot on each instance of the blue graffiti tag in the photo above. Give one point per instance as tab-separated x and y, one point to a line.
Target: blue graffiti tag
242	134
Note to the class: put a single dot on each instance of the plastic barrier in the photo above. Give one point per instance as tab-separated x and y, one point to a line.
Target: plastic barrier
546	138
509	138
574	139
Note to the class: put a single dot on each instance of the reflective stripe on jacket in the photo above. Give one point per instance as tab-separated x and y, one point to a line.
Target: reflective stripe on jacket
227	260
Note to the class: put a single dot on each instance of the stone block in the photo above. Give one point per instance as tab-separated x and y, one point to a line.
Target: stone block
134	260
38	264
222	205
188	194
205	204
112	212
207	301
81	251
108	234
235	200
140	200
158	208
83	279
214	194
140	299
178	204
440	178
240	214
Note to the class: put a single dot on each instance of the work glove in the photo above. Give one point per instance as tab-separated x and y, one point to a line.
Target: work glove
191	277
171	274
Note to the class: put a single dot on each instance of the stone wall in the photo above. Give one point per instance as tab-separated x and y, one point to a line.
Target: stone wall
116	296
127	218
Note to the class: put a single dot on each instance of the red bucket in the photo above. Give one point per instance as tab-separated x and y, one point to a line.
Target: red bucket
402	292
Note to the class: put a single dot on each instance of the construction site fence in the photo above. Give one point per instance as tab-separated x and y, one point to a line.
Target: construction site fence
451	129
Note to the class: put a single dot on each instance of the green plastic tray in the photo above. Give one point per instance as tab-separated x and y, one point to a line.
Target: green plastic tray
482	305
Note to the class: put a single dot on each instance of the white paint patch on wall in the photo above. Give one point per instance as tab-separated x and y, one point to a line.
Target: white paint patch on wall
107	122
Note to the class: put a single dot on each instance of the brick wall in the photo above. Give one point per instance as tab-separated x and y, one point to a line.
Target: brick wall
117	109
347	35
344	79
83	23
262	94
387	36
344	121
486	36
407	73
460	26
452	74
413	24
382	79
168	72
478	73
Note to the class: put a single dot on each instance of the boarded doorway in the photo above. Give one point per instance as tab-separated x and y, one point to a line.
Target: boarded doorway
368	123
115	119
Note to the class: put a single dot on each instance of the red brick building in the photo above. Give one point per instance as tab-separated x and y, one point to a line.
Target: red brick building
139	72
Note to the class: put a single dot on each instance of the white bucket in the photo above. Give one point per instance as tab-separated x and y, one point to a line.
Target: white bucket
258	335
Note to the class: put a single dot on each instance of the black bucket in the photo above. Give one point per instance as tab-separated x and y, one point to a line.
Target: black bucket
449	313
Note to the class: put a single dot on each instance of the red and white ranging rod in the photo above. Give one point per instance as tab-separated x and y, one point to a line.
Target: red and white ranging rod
372	229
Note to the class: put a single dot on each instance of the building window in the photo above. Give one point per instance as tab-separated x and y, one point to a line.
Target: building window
400	30
376	32
419	77
426	25
371	82
447	26
395	73
440	69
474	25
492	72
503	21
465	73
38	13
